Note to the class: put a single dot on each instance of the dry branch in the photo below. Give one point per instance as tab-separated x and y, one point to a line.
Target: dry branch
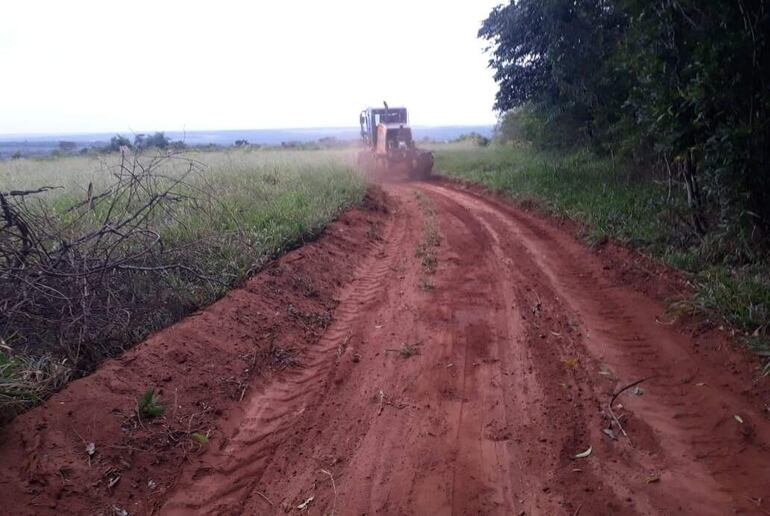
615	396
81	282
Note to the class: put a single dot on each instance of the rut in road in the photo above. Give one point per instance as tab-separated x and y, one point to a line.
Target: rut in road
521	339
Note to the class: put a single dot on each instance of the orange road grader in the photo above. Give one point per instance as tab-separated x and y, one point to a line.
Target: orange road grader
389	149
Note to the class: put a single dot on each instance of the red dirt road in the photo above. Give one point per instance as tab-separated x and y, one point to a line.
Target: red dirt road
465	390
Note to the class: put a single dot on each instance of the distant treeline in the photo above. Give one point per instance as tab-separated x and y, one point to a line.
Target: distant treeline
159	140
17	150
681	87
40	146
142	142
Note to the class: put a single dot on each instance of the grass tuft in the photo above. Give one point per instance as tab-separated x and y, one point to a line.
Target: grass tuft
430	239
408	350
26	380
149	405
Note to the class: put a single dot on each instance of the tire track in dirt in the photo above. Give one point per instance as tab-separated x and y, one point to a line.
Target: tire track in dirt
540	434
472	455
479	464
522	336
434	447
506	389
229	475
201	367
707	460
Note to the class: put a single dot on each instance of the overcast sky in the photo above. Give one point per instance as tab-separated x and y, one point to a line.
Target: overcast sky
104	66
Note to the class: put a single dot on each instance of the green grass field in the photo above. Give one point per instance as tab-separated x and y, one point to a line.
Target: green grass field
578	186
234	211
271	199
617	204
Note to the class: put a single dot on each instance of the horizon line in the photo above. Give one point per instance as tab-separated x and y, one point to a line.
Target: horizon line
183	131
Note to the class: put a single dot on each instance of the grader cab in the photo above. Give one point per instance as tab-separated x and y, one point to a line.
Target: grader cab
389	148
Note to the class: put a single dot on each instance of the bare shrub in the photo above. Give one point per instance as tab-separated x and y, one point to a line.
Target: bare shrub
81	281
131	243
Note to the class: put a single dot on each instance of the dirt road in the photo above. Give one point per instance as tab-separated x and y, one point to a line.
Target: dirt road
471	357
511	336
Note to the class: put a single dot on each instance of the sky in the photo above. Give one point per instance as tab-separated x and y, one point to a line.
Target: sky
81	66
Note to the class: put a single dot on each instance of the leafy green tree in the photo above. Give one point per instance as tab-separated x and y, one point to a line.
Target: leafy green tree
682	83
157	140
473	137
555	55
118	141
702	95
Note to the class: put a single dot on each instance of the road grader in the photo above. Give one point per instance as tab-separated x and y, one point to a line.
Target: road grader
389	149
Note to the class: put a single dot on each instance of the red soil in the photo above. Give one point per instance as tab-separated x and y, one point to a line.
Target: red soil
522	336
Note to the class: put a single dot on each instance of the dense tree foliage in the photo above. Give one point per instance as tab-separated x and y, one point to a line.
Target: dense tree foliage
118	141
681	84
156	140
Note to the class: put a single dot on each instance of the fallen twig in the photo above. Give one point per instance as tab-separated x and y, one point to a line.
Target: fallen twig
612	401
22	193
265	498
334	489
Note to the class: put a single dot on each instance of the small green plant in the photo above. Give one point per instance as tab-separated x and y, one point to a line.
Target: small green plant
149	405
408	350
431	237
428	258
201	438
8	374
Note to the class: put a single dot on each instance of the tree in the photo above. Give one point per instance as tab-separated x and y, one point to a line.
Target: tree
556	56
683	83
473	137
702	94
67	146
157	140
118	141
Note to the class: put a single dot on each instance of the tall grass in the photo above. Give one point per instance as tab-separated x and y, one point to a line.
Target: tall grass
269	199
259	204
580	186
634	209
